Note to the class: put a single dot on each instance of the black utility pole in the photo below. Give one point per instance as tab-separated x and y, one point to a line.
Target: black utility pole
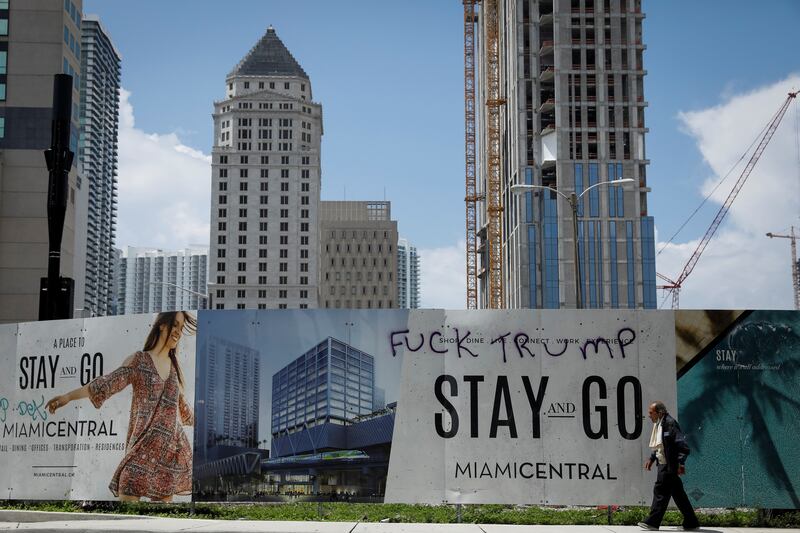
56	293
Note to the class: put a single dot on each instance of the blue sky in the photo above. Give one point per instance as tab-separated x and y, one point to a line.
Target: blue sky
390	78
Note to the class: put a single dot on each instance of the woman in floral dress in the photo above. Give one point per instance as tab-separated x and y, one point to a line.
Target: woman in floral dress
158	456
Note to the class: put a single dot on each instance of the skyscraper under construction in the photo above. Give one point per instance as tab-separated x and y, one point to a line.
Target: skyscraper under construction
559	96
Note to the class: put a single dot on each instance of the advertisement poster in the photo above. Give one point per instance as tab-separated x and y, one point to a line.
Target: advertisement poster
415	406
98	409
296	405
411	406
529	407
739	392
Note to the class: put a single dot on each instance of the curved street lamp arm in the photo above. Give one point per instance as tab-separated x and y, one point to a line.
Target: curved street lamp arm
178	287
612	182
520	188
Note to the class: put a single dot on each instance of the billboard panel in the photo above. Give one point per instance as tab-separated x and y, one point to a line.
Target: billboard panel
97	409
534	407
739	392
528	407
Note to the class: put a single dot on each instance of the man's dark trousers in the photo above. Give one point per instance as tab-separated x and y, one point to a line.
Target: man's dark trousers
669	484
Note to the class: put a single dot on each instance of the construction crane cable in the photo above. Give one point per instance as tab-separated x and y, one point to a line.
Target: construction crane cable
710	194
675	286
797	136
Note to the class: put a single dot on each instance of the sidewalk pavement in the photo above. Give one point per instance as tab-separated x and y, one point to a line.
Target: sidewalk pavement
77	522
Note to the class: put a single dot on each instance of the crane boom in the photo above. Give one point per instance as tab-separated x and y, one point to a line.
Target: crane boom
723	210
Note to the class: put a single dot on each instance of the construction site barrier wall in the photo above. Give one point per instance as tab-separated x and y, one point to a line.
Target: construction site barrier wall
420	406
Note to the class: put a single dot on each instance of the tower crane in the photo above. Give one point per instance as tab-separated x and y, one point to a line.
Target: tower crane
795	270
471	198
493	242
494	196
674	286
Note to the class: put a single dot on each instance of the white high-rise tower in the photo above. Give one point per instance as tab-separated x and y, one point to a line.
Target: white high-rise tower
265	184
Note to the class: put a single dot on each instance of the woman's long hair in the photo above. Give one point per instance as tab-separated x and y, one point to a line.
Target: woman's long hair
168	320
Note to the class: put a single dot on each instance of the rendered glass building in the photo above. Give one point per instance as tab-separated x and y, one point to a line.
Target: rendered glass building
229	388
332	382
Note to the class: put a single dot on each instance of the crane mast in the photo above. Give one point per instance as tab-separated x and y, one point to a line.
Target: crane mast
795	268
471	198
494	198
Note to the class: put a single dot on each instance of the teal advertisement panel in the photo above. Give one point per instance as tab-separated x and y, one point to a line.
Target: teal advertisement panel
739	404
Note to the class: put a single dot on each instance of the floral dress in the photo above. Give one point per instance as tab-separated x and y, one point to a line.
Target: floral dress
158	456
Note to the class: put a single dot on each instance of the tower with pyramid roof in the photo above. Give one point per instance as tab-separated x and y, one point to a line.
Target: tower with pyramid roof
265	184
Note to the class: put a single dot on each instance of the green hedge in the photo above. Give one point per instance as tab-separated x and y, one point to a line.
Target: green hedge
363	512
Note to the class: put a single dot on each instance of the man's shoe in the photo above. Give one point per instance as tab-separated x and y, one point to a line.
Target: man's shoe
648	527
689	528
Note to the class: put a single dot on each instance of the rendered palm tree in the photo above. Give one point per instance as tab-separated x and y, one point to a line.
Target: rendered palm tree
767	364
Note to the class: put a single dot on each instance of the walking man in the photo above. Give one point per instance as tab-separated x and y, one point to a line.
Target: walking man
669	453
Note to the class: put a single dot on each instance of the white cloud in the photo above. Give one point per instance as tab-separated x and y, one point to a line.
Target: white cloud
164	187
443	272
741	267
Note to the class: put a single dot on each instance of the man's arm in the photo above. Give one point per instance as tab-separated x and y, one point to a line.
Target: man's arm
681	446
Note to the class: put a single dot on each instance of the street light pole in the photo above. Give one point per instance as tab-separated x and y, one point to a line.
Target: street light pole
572	199
206	297
573	203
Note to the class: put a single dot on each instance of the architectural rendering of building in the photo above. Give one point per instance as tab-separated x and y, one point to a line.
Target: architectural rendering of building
572	116
331	430
266	184
407	275
228	384
37	41
99	112
152	280
358	255
331	383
